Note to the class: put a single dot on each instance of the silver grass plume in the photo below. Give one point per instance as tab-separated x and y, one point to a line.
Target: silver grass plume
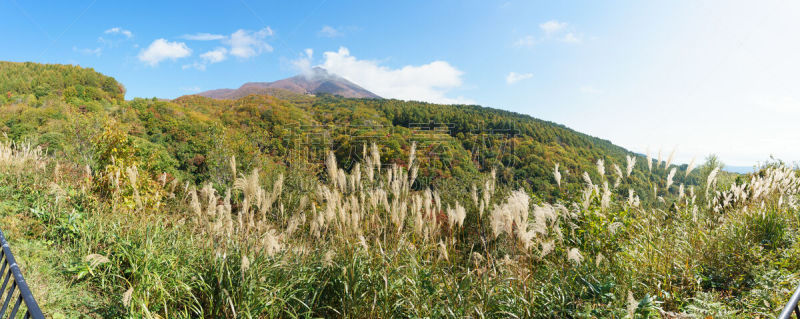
633	200
513	212
669	159
658	163
376	157
133	177
630	196
711	177
588	180
649	161
601	167
599	260
233	165
162	179
587	196
670	176
631	162
633	304
443	251
412	154
690	167
95	260
249	185
55	189
245	264
619	175
127	296
333	170
455	217
547	248
557	175
574	256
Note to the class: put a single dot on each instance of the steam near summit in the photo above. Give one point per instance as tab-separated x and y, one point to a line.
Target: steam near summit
317	80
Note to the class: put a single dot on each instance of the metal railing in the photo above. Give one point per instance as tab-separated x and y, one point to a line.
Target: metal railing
17	295
791	306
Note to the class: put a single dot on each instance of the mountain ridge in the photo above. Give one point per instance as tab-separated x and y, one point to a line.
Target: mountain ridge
315	81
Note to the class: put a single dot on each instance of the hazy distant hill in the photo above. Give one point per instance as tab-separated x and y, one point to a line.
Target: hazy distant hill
738	169
317	81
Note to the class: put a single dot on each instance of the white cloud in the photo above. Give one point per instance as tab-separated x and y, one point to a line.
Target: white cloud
197	65
95	51
115	36
429	82
330	32
514	77
161	50
191	89
551	29
303	63
242	44
245	44
526	41
215	56
118	30
203	37
552	26
572	38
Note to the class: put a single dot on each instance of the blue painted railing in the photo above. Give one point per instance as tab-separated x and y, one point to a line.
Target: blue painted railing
14	292
791	306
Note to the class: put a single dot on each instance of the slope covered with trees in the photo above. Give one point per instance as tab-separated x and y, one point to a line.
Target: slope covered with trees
192	137
69	81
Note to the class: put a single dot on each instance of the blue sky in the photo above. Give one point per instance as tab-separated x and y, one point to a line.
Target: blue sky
700	76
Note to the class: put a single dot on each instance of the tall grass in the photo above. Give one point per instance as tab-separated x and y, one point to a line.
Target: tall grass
369	242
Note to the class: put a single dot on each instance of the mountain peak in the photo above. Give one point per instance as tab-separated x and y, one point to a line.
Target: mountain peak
320	72
315	81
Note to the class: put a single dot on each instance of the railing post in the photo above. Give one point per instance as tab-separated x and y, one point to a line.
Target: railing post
19	284
791	306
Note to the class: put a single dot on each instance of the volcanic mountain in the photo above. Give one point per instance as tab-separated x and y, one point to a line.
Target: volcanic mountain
318	80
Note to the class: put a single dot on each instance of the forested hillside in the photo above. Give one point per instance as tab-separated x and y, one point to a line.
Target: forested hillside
67	81
64	108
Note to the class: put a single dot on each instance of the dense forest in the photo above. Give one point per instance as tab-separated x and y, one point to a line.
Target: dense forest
192	137
290	205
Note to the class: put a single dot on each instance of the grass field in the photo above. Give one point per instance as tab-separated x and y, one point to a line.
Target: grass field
365	244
